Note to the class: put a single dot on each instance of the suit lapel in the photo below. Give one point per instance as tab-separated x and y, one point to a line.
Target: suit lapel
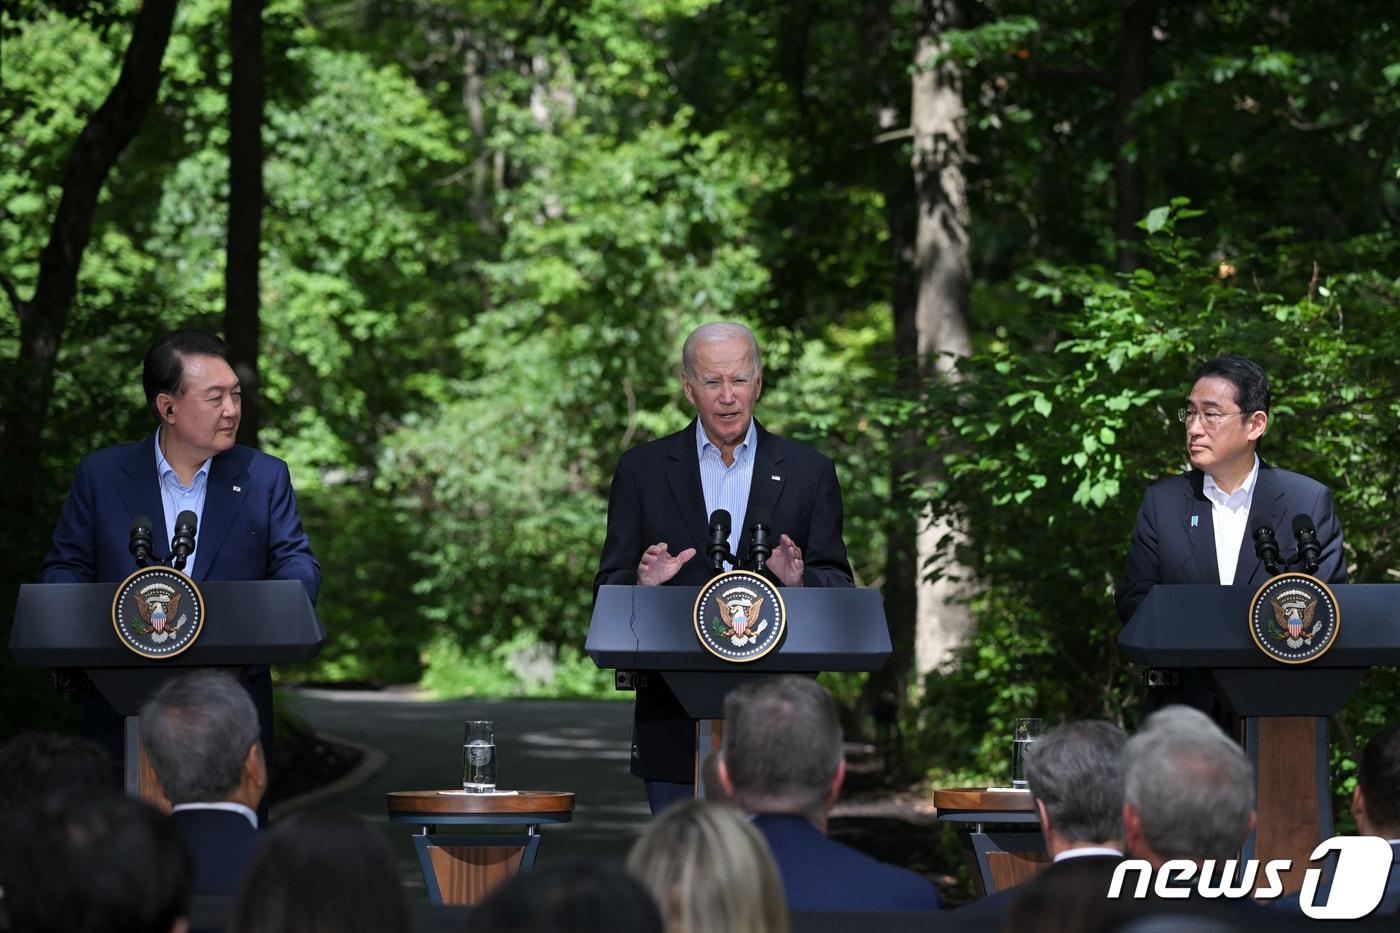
139	488
683	475
766	485
228	488
1199	529
1268	500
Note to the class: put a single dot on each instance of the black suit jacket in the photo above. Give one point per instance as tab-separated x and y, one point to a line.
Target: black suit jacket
657	496
222	844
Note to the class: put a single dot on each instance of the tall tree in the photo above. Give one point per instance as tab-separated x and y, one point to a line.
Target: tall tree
245	204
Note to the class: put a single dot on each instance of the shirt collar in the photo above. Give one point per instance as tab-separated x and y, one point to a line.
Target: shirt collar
164	469
1088	850
702	441
228	805
1215	494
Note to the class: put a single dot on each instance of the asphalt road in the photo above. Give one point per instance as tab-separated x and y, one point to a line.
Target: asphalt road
415	743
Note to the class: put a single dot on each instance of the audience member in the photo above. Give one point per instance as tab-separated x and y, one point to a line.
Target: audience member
200	732
93	861
710	871
1075	774
783	763
319	873
33	764
569	896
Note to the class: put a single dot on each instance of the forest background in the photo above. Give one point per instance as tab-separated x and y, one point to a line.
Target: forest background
455	246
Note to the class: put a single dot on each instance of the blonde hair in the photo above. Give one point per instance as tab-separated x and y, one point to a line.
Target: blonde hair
711	871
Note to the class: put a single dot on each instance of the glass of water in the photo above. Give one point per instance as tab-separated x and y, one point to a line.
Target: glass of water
1023	733
479	757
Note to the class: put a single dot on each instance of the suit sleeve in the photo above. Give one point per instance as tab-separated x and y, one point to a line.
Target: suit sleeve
73	558
623	546
1143	570
824	557
1333	566
289	554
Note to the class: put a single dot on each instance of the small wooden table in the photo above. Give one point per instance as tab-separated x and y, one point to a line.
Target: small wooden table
463	869
1000	834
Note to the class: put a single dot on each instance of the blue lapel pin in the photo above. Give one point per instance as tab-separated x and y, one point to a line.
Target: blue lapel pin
1195	520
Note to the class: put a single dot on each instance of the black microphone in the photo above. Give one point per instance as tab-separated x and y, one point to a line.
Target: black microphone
718	548
182	543
1266	546
760	527
140	545
1309	549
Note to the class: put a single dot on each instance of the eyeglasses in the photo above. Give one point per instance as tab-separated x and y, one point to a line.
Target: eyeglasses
1211	419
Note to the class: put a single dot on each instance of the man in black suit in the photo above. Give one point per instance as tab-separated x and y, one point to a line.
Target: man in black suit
1075	774
1195	528
663	493
200	731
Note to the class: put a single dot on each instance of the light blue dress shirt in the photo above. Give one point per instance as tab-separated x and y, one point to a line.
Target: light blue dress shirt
727	487
175	497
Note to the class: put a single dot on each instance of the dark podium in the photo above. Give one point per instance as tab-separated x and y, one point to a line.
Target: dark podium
651	629
1284	706
69	625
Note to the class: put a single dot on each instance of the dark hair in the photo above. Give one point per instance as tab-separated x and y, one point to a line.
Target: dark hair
33	764
1251	385
1076	770
197	729
1379	777
164	367
569	896
84	862
322	873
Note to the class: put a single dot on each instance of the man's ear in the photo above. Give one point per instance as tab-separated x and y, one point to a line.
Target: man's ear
1044	815
837	779
1256	426
724	780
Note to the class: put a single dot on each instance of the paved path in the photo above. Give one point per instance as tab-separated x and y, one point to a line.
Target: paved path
416	744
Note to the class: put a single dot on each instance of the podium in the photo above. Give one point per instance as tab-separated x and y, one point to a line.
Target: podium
651	628
69	625
1284	707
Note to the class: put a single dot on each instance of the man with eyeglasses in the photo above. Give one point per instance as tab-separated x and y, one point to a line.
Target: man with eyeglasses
1194	528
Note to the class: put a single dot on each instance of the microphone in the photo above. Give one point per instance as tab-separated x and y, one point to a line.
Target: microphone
718	548
1266	546
140	545
1309	549
182	542
759	529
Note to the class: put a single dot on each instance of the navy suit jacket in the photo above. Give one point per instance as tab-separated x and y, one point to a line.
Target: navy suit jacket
657	496
996	904
1167	548
250	529
221	843
822	874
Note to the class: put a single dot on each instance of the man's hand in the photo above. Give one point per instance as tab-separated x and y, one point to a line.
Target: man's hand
657	565
786	562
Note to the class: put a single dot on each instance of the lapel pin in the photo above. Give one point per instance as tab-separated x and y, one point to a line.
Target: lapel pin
240	489
776	477
1195	520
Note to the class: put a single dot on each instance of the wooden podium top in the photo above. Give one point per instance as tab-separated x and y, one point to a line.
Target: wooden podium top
526	805
982	800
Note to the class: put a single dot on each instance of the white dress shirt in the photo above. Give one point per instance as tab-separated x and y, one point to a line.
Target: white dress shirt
1229	515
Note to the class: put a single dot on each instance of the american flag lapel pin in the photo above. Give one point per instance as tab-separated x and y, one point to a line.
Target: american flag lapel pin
775	477
240	489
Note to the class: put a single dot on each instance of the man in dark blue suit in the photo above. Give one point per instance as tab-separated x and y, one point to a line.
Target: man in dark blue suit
1195	528
248	526
663	493
783	764
200	732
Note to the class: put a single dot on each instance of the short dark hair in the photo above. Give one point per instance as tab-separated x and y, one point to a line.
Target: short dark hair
164	367
578	895
1076	770
84	862
1251	385
782	744
33	764
1379	777
197	729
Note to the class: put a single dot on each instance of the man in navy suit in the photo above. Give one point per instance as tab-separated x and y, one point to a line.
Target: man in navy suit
663	493
783	764
1195	528
200	732
248	526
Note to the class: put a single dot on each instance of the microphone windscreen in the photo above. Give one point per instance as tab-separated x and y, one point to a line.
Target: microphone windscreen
141	523
761	516
1302	523
721	518
1261	527
186	519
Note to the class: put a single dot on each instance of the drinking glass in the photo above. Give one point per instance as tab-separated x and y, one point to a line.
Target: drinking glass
1023	733
479	757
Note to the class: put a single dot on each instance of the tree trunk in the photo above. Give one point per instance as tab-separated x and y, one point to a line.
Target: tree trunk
245	200
941	255
1129	203
44	316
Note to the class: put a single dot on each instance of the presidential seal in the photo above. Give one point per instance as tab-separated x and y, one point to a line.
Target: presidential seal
739	616
1294	618
158	612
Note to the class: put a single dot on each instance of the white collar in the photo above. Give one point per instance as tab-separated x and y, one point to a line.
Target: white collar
227	805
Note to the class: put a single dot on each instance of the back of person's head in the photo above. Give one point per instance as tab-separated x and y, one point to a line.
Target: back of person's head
93	861
197	730
1378	776
1251	385
710	870
1191	787
1076	770
782	745
569	896
322	873
33	764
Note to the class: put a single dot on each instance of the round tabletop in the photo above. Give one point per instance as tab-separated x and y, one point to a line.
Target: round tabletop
982	800
526	806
